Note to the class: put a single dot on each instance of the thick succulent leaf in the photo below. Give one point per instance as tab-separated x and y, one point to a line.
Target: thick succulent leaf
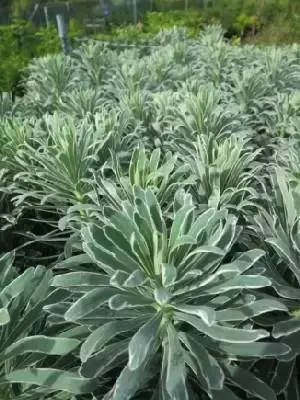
4	316
285	328
293	342
249	383
182	241
118	279
143	342
243	263
93	299
282	375
16	287
100	336
80	279
119	247
207	314
27	309
99	251
225	393
129	382
52	378
6	263
40	344
162	296
223	333
176	372
293	391
122	301
179	225
250	310
285	291
104	360
230	276
247	350
73	262
137	278
201	222
240	282
286	254
169	274
155	211
210	369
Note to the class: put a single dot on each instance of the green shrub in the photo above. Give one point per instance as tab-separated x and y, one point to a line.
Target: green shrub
283	30
20	42
245	23
191	20
15	52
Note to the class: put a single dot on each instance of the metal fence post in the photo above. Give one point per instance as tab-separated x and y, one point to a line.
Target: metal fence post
46	15
62	33
134	12
106	15
36	7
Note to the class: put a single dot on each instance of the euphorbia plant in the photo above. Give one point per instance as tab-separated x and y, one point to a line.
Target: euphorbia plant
169	306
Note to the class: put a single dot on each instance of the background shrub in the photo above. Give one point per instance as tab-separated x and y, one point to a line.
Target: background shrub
20	42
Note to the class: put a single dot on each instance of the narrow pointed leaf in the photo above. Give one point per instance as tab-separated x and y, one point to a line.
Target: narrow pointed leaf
207	314
225	393
208	365
247	350
41	344
4	316
240	282
250	383
122	301
142	343
104	360
176	372
137	278
282	376
244	262
285	328
53	379
97	339
223	333
80	279
16	287
250	310
88	302
169	274
178	225
129	381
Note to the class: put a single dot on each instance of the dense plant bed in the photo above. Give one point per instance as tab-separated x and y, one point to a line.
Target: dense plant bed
150	204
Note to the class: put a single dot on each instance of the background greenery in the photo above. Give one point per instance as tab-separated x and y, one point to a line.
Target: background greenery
260	22
20	42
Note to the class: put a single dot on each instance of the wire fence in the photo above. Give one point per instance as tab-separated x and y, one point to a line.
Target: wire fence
95	13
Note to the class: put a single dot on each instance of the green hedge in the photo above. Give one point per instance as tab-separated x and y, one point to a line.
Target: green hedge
153	22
